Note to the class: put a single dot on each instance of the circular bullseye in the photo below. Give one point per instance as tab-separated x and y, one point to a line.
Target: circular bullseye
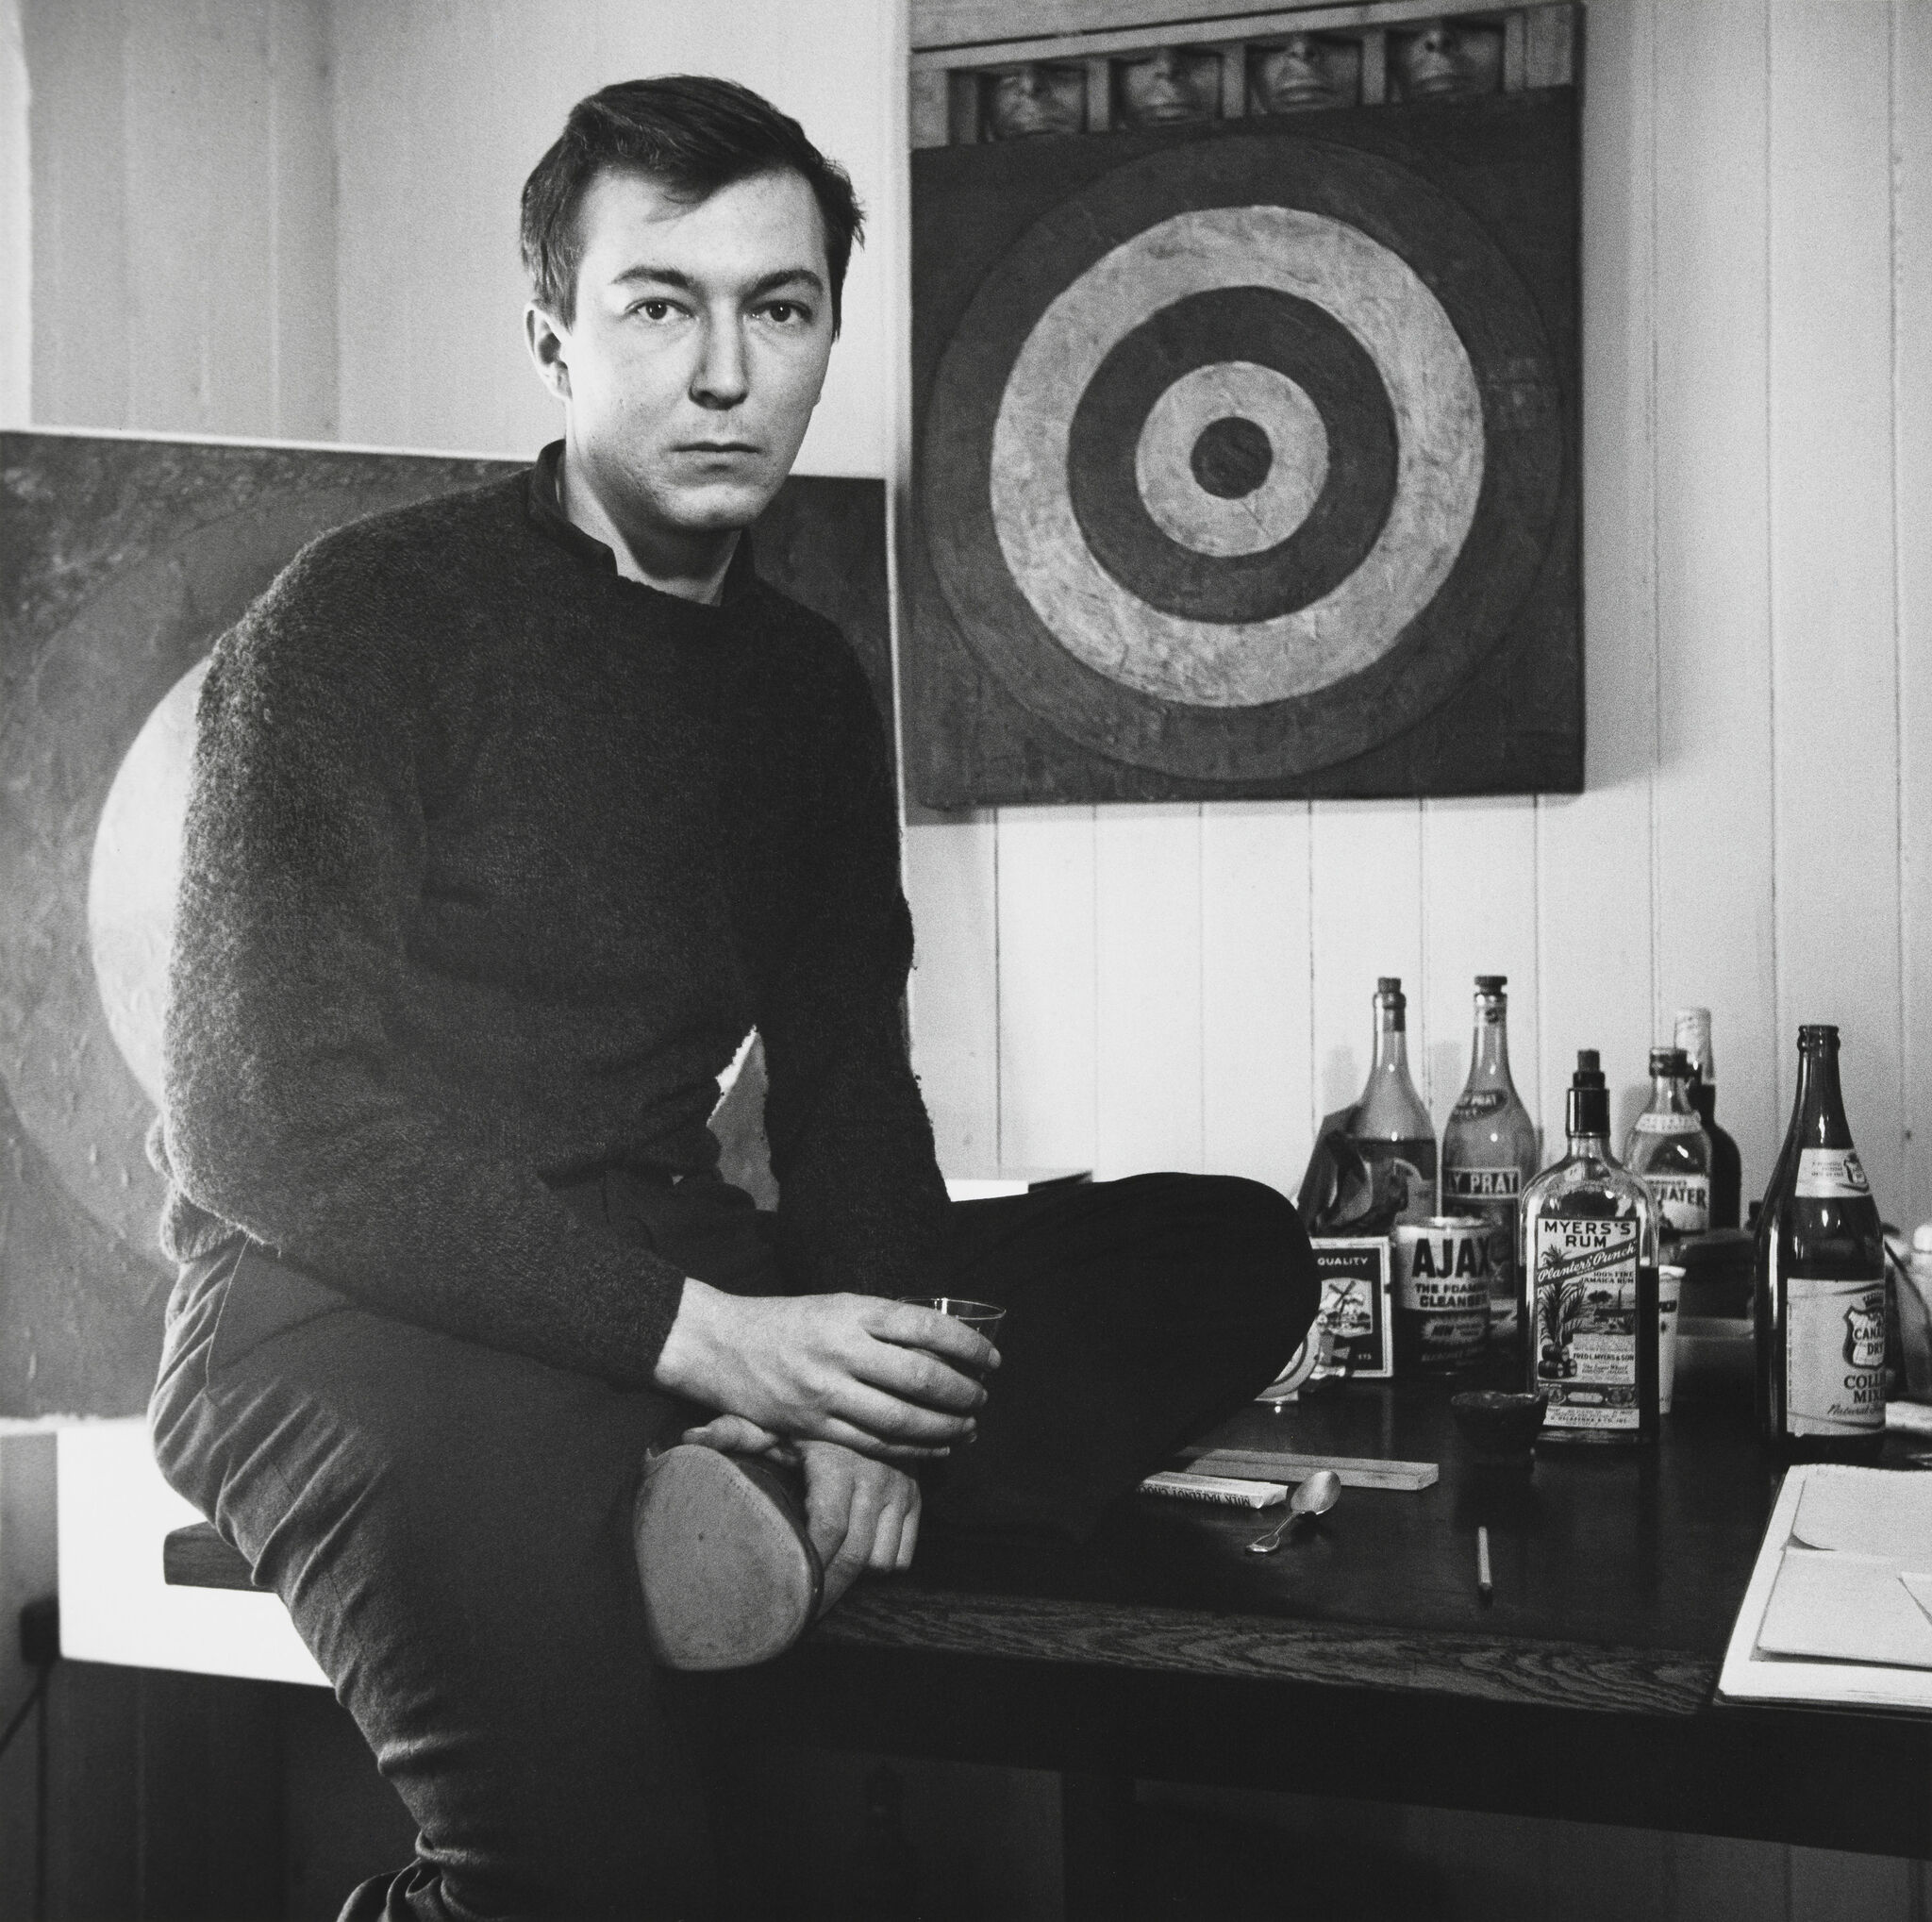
1249	653
1146	577
1232	458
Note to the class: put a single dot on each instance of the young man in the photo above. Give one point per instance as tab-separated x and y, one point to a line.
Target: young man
513	812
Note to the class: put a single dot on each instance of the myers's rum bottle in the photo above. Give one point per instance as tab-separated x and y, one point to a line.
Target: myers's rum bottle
1670	1149
1727	1165
1489	1155
1590	1248
1819	1296
1392	1130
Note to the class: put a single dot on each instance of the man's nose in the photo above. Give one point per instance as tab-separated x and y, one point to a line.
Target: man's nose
722	379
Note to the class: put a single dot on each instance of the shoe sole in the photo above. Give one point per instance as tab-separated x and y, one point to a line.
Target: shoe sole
729	1578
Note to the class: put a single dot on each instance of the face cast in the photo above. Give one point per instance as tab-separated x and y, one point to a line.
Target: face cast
691	367
1041	97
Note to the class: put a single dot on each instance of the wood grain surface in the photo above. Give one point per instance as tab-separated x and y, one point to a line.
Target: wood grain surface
1601	1679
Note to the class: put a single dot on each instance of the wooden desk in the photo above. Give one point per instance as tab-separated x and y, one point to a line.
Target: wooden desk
1360	1662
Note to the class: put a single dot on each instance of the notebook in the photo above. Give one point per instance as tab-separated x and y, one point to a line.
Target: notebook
1838	1609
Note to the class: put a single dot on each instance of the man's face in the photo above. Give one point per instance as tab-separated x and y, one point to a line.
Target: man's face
697	349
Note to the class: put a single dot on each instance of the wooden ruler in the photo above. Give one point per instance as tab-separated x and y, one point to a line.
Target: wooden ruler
1355	1471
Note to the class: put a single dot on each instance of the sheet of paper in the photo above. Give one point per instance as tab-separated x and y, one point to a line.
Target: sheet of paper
1868	1511
1838	1607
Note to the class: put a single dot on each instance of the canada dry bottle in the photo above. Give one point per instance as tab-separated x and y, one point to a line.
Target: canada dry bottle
1392	1130
1819	1296
1590	1249
1489	1155
1668	1148
1727	1165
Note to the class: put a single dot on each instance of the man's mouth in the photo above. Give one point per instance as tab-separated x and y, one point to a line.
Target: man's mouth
717	448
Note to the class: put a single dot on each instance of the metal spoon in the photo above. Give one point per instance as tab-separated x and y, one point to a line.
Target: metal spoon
1315	1496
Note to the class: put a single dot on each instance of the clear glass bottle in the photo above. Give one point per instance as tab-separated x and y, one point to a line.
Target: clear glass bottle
1490	1156
1392	1130
1668	1148
1820	1296
1727	1165
1590	1248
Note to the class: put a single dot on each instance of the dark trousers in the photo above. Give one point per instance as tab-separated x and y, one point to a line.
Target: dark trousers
449	1526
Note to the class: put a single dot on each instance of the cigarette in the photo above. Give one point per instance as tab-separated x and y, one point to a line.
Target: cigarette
1484	1586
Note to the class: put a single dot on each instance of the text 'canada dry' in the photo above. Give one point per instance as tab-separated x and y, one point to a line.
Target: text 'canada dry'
1820	1299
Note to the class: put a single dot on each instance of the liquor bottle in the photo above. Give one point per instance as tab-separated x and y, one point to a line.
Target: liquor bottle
1819	1296
1727	1165
1590	1249
1668	1148
1392	1130
1489	1155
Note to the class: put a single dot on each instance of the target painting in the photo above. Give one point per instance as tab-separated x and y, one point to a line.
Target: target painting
124	560
1246	460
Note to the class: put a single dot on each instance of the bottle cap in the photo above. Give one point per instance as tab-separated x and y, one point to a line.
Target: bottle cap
1588	1110
1669	1061
1693	1023
1492	984
1389	984
1817	1034
1589	1072
1921	1239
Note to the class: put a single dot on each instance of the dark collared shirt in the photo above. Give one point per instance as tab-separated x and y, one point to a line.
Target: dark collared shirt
544	495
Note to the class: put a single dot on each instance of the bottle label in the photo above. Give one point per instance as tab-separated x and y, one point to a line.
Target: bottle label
1683	1200
1834	1356
1662	1121
1830	1175
1442	1292
1478	1102
1492	1195
1586	1321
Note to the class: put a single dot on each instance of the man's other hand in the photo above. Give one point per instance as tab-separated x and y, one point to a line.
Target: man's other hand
863	1513
868	1373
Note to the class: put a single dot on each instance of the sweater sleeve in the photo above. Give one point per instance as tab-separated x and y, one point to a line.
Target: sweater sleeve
285	1112
861	1201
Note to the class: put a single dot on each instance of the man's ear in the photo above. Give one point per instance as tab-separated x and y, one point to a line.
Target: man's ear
549	346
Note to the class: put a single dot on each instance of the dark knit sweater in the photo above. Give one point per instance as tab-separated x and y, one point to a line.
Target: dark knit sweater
492	859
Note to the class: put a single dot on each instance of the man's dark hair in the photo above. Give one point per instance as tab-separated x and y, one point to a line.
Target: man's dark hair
692	135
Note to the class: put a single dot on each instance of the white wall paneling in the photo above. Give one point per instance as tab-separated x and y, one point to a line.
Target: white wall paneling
1047	992
952	881
1365	920
1147	989
184	240
1911	106
1256	1032
1713	795
1833	581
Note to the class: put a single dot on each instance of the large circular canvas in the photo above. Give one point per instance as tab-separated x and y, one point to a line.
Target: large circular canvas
1246	462
125	560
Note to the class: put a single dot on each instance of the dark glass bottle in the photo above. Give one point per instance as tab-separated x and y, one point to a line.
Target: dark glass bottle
1819	1296
1727	1165
1589	1251
1392	1130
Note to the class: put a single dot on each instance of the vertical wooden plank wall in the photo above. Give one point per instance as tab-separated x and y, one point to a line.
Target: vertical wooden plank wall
183	216
1757	412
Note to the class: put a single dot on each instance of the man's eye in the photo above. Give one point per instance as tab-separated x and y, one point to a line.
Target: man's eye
788	312
654	310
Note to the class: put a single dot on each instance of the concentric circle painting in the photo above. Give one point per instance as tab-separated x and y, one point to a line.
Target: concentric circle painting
1246	460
